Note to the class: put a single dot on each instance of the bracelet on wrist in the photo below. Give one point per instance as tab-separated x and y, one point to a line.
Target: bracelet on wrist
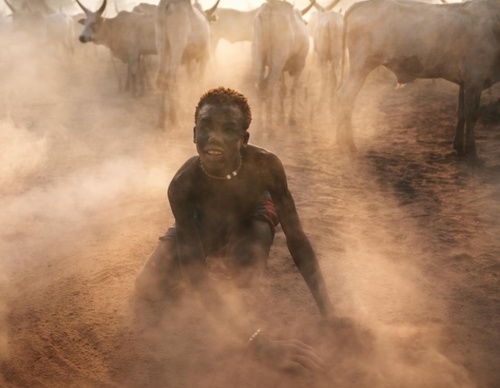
254	335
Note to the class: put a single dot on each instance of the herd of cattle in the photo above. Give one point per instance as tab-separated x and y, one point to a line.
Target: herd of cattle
459	42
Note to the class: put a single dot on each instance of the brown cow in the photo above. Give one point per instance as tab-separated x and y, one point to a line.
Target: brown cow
129	36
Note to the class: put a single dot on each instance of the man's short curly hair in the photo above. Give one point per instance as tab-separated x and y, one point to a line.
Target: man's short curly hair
222	95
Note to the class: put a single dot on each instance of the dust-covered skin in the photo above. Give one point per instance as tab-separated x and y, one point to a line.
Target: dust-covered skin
215	198
406	235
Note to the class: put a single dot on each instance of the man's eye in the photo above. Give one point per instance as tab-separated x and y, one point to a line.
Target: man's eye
231	130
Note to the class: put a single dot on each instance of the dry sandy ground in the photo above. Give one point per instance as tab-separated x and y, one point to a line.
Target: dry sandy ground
406	233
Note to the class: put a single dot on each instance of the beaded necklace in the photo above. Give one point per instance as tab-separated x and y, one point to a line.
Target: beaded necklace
226	177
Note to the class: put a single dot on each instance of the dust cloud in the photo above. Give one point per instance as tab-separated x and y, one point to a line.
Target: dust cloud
408	255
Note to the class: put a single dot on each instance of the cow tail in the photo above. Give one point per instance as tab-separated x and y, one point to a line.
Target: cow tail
344	52
272	34
262	51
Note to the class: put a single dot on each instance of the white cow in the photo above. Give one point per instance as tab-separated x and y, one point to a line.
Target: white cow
232	25
325	27
182	37
457	42
5	24
52	29
280	45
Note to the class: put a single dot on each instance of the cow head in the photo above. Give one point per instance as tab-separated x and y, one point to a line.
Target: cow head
209	13
92	23
25	18
25	7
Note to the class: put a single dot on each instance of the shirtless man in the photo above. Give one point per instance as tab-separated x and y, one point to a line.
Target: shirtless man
232	195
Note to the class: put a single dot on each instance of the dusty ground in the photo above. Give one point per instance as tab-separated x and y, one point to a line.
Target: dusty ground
406	233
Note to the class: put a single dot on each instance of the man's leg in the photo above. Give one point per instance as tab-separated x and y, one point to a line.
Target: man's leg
161	273
248	250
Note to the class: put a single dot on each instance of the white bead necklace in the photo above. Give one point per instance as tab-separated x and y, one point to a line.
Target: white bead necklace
226	177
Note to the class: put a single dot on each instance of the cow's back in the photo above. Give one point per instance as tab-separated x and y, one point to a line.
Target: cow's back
419	40
327	35
280	38
233	25
185	28
121	34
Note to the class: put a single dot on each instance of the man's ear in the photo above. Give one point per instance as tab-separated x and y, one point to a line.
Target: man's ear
246	136
194	134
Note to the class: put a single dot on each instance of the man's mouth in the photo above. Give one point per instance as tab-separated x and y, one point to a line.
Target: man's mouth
212	152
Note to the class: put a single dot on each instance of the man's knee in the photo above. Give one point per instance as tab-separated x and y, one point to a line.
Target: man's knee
160	274
248	257
147	290
245	277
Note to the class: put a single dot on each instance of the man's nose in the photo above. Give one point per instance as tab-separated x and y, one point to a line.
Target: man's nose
216	136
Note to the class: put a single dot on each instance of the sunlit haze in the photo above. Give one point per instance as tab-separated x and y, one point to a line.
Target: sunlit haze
406	232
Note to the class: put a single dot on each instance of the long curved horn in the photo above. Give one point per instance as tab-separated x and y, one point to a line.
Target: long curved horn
102	8
27	6
210	11
332	4
13	10
319	7
87	11
306	9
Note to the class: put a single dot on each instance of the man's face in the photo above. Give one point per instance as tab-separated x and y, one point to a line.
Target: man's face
219	137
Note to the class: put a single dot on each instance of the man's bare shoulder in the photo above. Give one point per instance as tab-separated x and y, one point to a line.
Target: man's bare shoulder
266	165
262	155
184	178
188	165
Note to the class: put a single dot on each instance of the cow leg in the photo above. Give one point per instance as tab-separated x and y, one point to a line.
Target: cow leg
293	105
141	76
262	93
174	64
162	114
173	106
120	88
471	103
203	64
347	96
161	84
269	104
333	87
134	70
296	86
165	81
128	80
282	97
324	83
458	142
147	74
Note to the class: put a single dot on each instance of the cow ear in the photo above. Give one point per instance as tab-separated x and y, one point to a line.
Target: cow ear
82	21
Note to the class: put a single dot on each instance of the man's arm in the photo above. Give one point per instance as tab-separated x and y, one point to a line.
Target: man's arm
298	243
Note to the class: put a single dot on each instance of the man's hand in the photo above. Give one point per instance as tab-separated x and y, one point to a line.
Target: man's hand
347	336
288	355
